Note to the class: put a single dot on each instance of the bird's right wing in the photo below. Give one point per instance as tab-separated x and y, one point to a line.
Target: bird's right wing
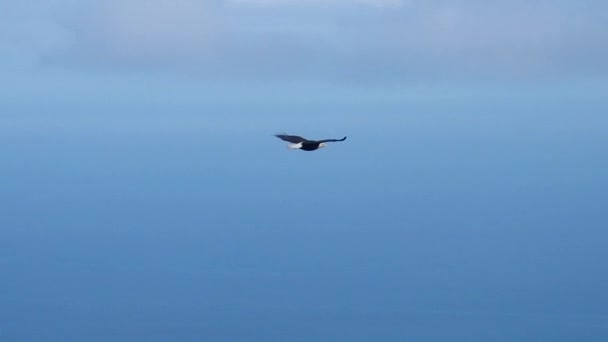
291	138
330	140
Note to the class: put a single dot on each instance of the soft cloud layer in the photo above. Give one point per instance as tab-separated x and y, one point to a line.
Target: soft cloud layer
357	40
376	3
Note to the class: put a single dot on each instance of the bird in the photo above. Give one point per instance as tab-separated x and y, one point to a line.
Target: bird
299	143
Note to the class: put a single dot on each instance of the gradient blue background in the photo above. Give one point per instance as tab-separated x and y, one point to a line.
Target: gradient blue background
144	198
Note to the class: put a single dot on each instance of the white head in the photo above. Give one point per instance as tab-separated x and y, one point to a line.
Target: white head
322	145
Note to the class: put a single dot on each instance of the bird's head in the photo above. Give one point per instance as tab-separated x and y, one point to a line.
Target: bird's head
322	145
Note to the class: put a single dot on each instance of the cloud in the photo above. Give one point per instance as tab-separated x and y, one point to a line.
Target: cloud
28	33
374	3
332	40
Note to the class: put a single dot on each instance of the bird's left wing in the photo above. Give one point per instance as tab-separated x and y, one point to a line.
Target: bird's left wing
291	138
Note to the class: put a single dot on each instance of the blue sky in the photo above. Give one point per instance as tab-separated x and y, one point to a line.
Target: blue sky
144	197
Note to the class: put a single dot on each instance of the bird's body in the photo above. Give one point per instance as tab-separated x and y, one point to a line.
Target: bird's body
299	143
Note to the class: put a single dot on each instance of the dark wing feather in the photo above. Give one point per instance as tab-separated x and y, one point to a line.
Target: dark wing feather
330	140
291	138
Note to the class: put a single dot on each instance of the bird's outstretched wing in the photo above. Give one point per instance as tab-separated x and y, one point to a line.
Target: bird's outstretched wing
330	140
291	138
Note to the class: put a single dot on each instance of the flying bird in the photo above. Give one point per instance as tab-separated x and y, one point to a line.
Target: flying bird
296	142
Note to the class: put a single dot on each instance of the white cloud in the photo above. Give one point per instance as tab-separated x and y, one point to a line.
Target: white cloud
375	3
29	32
270	39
